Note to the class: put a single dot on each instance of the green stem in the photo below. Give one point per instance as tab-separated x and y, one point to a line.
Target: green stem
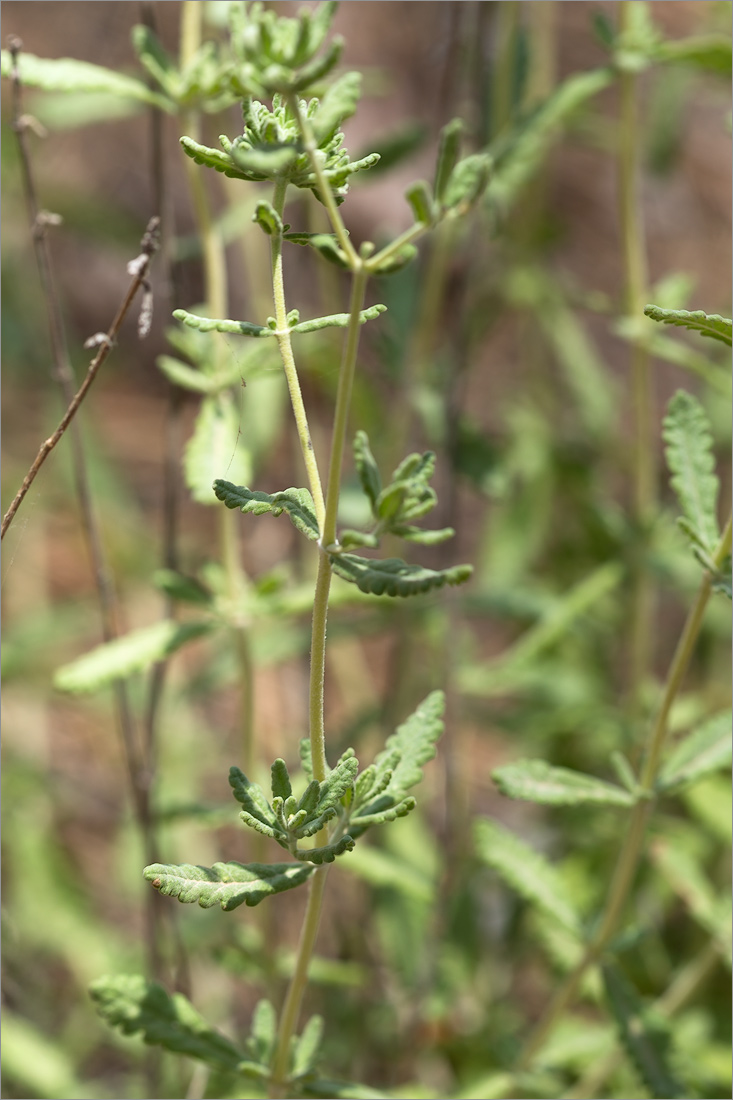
298	983
644	473
288	360
630	854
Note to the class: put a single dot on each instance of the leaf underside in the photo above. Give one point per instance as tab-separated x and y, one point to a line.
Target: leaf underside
298	503
707	324
537	781
393	576
226	884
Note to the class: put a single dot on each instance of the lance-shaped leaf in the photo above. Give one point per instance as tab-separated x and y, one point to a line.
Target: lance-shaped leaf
467	182
215	448
338	104
181	374
215	324
66	74
691	462
448	149
644	1034
156	59
338	320
337	782
412	745
263	1032
306	1048
326	854
361	821
134	1005
707	324
268	218
537	781
226	884
366	467
526	871
394	577
420	197
298	503
705	750
133	652
416	534
688	879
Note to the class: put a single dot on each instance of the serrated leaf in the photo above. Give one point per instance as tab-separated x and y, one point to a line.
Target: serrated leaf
537	781
214	324
212	158
281	786
268	218
215	448
394	577
66	74
337	783
307	1046
688	880
328	853
412	745
134	1005
467	183
265	162
133	652
252	797
692	465
324	243
526	871
705	750
155	59
298	503
365	820
226	884
186	377
306	760
707	324
644	1034
338	104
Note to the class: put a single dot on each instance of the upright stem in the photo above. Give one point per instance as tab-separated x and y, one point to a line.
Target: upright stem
630	854
632	233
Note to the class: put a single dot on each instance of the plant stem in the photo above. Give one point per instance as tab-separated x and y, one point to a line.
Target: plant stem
644	473
298	983
288	359
630	854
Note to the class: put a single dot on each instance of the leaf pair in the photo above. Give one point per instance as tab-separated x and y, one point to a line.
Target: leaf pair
457	184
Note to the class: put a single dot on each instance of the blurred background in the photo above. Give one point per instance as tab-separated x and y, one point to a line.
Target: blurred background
505	350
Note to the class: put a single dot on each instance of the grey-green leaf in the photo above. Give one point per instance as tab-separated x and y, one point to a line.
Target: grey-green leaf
450	142
263	1031
644	1034
307	1046
526	871
707	324
214	324
134	1005
252	797
338	320
337	783
705	750
328	853
537	781
412	745
133	652
281	786
66	74
467	182
367	468
226	884
298	503
692	465
394	577
338	104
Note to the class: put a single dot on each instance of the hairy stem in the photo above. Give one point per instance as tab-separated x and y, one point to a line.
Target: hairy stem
631	849
635	276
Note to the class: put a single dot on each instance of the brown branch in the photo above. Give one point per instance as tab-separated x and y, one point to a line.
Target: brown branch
138	268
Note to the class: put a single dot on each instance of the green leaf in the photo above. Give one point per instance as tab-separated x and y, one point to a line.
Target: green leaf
212	158
417	534
526	871
298	503
692	465
133	652
155	59
281	786
66	74
412	745
263	1032
252	797
450	143
420	198
183	588
707	324
212	324
367	468
396	260
186	377
268	218
689	881
215	448
338	320
361	821
467	182
339	780
705	750
226	884
708	51
134	1005
326	854
537	781
644	1034
307	1046
324	243
338	104
394	577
